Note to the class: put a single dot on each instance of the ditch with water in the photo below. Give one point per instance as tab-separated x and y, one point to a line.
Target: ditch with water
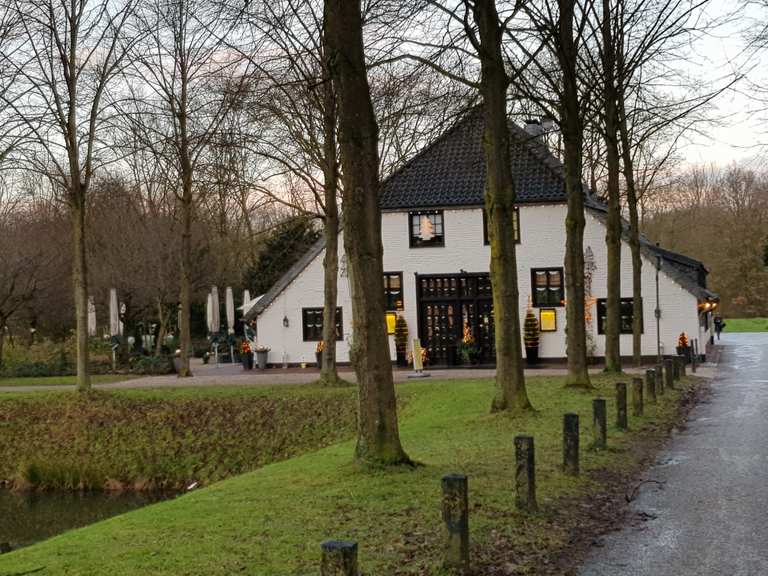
26	518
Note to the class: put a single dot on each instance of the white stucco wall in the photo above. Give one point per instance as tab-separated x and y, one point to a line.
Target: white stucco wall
542	246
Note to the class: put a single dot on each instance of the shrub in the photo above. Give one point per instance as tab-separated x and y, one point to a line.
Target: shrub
151	365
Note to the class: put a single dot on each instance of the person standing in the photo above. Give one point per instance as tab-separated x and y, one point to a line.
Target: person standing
719	325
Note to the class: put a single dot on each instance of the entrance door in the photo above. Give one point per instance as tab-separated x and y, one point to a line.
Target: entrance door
449	303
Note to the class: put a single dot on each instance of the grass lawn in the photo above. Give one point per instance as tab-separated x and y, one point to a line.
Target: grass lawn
62	380
746	325
271	521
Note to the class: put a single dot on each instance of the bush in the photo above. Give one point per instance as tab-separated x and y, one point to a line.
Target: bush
151	365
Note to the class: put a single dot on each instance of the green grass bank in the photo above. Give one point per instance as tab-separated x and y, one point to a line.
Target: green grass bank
746	325
162	438
271	521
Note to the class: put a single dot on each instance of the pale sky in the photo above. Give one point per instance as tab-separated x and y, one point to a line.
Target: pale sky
742	127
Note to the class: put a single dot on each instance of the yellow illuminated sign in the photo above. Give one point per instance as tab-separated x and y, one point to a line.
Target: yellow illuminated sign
391	320
548	320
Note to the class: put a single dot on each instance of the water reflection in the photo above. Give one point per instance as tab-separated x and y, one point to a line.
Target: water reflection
29	518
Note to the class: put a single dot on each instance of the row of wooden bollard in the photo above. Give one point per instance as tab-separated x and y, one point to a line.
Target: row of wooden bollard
339	557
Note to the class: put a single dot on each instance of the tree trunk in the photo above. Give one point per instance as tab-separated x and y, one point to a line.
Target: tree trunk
572	129
185	280
2	338
378	438
329	375
162	317
187	207
510	394
613	228
634	234
80	285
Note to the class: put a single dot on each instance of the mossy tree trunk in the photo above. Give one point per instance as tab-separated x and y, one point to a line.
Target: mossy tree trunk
328	374
77	208
613	228
634	233
187	210
572	128
378	439
511	394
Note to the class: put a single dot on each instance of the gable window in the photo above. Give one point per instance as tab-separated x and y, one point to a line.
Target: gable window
547	287
393	291
312	324
515	226
426	228
625	307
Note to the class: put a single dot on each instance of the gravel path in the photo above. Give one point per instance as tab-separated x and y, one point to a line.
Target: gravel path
233	375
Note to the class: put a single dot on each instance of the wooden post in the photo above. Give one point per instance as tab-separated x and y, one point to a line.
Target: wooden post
650	385
599	424
637	396
339	558
621	406
681	363
675	368
660	379
571	444
525	474
669	373
456	519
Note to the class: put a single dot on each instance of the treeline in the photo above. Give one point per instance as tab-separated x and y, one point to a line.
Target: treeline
134	246
720	216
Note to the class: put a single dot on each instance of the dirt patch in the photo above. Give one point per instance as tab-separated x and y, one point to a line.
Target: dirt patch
576	524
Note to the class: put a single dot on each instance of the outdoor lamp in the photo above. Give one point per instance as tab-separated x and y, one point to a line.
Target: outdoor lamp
285	321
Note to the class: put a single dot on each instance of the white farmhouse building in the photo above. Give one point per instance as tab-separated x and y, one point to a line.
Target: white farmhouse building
436	262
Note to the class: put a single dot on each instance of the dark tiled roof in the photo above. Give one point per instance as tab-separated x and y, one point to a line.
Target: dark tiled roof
451	170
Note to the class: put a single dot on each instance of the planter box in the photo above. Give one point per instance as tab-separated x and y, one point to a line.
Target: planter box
319	358
532	356
261	358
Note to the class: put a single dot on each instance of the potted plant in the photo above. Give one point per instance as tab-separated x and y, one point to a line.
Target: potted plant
246	355
683	347
401	340
319	353
531	338
468	352
262	353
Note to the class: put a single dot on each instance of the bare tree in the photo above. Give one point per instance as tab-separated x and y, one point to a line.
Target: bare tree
378	439
184	82
63	60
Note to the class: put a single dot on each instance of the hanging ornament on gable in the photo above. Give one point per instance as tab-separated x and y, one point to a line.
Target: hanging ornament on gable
426	229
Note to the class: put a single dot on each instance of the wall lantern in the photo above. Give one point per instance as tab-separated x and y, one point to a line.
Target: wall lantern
285	321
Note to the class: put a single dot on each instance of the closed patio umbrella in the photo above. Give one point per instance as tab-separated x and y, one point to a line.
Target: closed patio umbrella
230	306
114	313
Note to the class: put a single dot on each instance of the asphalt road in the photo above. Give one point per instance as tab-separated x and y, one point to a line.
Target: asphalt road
709	513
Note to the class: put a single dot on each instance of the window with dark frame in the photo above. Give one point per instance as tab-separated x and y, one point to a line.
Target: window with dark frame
515	226
312	324
426	228
393	291
625	306
547	287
